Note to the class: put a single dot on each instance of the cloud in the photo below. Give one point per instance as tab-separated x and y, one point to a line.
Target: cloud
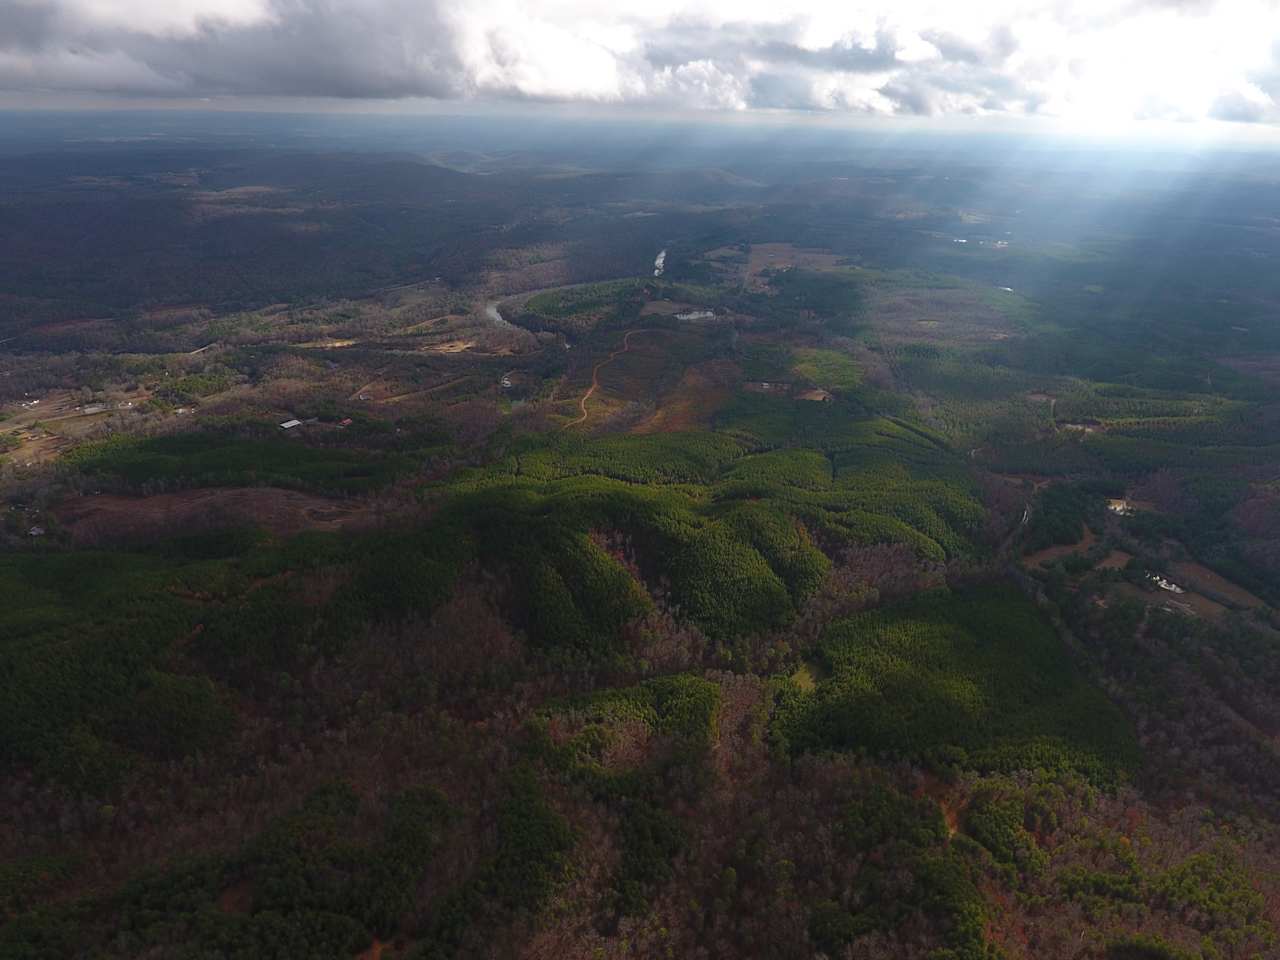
1247	105
313	48
995	47
25	25
777	44
63	71
1089	59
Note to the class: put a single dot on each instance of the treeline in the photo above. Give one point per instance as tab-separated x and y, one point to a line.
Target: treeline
246	453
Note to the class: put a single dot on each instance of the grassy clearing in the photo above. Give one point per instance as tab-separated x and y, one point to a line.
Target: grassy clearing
829	369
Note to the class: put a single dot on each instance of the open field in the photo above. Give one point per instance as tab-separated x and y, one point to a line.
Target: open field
954	317
1115	560
766	257
668	308
1189	604
1045	557
1199	577
703	389
46	426
1199	603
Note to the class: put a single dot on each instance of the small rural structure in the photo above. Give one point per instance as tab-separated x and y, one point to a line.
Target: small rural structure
1164	584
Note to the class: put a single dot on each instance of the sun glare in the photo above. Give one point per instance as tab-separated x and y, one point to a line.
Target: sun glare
1164	66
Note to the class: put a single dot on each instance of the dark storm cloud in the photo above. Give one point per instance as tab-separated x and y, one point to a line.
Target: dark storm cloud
315	48
26	25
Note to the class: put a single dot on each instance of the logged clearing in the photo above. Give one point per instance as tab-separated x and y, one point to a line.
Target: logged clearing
703	389
450	346
722	253
1264	366
1202	578
326	344
33	451
595	375
1049	554
426	324
779	256
1115	560
1201	605
1035	480
82	328
668	308
1190	603
426	392
102	518
945	315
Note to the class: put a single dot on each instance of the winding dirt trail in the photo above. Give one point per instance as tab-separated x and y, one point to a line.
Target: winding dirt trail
595	375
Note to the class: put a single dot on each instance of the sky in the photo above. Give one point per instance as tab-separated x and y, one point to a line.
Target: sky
1094	63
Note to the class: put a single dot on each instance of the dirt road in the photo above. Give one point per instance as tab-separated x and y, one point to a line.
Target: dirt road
595	376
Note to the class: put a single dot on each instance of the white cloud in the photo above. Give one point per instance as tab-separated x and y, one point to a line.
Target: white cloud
1091	61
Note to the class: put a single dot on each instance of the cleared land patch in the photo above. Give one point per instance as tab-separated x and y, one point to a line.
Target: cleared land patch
1115	560
102	518
703	389
668	308
595	375
829	369
1201	577
784	256
1042	558
958	315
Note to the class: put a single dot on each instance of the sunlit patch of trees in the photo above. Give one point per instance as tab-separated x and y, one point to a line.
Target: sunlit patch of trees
979	681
